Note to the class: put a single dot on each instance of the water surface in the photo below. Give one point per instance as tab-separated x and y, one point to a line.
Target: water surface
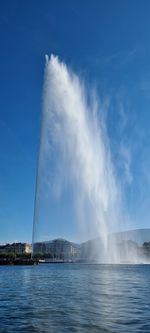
75	298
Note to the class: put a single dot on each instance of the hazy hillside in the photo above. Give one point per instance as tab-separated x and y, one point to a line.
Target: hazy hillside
138	235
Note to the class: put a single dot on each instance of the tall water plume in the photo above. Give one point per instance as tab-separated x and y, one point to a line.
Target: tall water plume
74	160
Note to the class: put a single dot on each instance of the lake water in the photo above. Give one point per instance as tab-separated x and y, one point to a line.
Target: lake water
75	298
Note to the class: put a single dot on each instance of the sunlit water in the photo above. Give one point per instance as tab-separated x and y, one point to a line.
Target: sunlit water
75	298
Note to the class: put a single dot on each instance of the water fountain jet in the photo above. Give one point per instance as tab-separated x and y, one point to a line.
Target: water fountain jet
74	159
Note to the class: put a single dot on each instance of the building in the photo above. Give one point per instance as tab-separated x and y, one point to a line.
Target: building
57	248
16	248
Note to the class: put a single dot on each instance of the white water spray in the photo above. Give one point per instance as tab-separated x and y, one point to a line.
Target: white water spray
75	154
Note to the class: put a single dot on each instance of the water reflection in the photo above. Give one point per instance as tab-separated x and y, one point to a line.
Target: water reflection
75	298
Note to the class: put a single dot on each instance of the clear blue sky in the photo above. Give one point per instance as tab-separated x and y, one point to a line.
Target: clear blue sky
108	43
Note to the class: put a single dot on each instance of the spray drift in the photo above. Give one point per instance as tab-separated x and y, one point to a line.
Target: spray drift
75	160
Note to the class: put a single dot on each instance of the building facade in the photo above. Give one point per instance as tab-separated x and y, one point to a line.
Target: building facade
57	248
16	248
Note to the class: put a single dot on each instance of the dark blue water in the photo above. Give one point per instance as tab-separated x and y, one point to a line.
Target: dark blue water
75	298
